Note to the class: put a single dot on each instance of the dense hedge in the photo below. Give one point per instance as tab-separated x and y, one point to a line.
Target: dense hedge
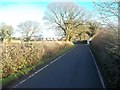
107	50
18	56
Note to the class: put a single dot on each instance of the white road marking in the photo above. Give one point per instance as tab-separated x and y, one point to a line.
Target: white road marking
97	69
42	68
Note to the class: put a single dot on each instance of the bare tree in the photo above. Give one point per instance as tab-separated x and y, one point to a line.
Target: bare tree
66	15
110	14
6	32
107	10
93	26
28	29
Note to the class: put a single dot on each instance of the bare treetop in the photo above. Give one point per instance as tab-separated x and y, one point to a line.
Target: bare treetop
66	15
108	12
28	29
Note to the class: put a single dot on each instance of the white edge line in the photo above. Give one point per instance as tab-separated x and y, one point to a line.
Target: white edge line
97	69
42	68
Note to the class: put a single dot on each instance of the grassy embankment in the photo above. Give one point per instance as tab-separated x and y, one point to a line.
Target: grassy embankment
105	47
19	59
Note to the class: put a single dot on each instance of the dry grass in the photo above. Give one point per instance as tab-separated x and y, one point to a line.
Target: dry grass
105	45
17	56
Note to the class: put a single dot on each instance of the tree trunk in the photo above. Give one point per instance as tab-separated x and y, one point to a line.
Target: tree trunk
2	39
84	36
68	38
80	37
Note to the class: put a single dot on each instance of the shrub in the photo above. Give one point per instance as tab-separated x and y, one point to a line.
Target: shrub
18	56
105	45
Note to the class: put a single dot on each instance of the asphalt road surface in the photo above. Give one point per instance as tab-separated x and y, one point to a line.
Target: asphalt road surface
75	69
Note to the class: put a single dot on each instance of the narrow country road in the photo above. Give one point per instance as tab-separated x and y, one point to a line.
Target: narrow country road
75	69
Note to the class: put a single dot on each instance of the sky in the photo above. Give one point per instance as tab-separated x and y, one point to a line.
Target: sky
12	12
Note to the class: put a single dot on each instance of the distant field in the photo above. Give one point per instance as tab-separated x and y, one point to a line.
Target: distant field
16	41
19	41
